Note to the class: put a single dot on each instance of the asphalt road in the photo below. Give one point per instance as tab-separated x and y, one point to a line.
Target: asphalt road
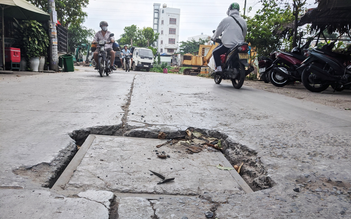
296	140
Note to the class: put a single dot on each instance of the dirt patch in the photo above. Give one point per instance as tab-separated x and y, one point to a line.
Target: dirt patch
339	100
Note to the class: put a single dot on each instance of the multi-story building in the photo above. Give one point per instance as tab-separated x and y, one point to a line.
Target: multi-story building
166	23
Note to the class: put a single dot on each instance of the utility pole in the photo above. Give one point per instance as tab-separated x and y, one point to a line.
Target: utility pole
296	14
53	56
244	7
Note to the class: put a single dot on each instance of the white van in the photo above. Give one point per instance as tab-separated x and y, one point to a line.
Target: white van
143	58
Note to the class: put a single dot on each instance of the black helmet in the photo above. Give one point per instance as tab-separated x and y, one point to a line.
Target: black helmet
103	23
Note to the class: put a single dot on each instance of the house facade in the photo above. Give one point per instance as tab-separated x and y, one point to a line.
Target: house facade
166	23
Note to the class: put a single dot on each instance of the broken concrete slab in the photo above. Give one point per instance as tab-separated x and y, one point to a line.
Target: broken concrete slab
134	208
176	207
22	204
122	164
103	197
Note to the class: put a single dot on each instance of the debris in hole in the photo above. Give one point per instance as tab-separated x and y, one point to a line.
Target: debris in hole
162	135
197	134
241	165
188	134
164	180
236	167
214	146
193	149
209	214
221	167
163	144
219	145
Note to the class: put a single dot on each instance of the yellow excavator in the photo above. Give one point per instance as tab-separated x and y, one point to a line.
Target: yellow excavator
198	63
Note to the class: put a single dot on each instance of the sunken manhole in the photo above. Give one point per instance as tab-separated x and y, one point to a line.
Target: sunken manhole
123	164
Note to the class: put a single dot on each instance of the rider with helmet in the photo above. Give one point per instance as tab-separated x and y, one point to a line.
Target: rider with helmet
125	52
233	29
104	34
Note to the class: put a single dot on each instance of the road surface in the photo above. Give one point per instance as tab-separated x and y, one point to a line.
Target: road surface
303	146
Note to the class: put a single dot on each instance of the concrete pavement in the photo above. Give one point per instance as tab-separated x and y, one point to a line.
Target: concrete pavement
303	146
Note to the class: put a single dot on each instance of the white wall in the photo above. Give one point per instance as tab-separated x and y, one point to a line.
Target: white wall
163	28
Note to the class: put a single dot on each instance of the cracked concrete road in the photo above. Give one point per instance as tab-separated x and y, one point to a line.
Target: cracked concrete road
304	146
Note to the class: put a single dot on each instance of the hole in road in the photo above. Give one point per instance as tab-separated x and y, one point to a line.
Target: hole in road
240	156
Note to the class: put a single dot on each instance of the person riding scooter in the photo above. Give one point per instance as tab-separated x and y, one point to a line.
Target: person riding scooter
104	34
125	52
233	30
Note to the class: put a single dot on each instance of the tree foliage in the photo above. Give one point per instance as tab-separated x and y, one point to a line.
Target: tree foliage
265	29
191	46
31	37
68	11
135	36
78	35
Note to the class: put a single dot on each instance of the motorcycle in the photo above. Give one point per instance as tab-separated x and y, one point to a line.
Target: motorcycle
104	58
127	63
324	67
263	64
234	65
286	66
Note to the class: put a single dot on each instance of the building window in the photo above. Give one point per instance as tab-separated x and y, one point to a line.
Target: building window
161	32
161	21
156	15
170	50
172	21
172	31
161	42
171	41
161	50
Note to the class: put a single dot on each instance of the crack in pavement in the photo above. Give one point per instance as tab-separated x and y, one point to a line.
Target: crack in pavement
113	210
125	108
153	208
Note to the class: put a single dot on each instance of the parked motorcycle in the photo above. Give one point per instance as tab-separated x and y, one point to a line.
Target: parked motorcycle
234	63
104	58
263	64
324	67
286	66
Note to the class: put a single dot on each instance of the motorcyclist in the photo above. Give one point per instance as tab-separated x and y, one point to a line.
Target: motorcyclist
233	29
125	52
104	34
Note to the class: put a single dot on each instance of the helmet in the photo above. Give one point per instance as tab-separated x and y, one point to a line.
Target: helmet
103	23
125	46
234	6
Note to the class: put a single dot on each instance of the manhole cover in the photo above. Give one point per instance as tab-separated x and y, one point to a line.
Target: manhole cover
123	164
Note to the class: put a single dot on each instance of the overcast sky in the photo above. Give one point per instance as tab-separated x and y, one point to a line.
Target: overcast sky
196	16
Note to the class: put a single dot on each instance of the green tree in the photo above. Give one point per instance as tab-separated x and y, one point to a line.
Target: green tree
68	11
149	34
154	50
138	37
129	35
191	46
78	35
266	28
